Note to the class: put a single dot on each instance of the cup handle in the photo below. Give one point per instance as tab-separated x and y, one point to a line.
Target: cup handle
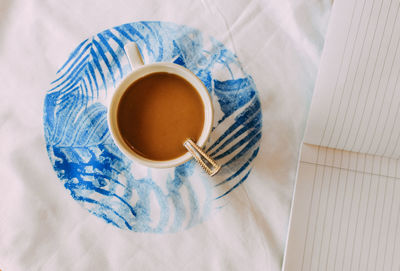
134	56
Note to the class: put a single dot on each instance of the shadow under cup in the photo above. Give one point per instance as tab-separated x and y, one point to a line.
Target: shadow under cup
155	109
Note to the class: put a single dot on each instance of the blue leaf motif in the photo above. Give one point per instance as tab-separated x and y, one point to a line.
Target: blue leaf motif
107	183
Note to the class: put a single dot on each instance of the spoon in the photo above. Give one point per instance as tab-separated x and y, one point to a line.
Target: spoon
205	161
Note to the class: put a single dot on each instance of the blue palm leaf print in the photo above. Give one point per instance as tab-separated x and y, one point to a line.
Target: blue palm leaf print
104	181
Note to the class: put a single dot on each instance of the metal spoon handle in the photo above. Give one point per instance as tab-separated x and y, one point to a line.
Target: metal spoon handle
205	161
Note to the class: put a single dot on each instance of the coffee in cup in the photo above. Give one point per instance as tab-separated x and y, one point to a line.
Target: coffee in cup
157	113
161	115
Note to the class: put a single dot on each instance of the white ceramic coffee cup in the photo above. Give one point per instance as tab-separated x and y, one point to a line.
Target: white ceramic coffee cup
139	70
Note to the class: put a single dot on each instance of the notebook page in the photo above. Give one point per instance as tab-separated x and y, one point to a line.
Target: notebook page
356	103
346	212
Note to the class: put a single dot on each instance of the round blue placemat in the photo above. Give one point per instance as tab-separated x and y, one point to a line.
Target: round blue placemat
107	183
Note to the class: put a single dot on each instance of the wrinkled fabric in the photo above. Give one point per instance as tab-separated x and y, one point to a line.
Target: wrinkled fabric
42	228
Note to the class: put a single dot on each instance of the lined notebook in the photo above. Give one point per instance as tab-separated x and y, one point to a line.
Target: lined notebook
346	206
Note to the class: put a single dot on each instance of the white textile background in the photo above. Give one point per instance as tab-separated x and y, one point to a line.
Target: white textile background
42	228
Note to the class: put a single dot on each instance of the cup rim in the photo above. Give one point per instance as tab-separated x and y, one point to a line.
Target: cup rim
135	75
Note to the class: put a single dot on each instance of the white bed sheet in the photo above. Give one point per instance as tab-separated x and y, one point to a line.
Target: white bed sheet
42	228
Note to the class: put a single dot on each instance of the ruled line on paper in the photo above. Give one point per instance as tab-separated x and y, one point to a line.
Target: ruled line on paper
361	94
324	156
373	191
347	74
351	170
330	108
370	111
346	210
